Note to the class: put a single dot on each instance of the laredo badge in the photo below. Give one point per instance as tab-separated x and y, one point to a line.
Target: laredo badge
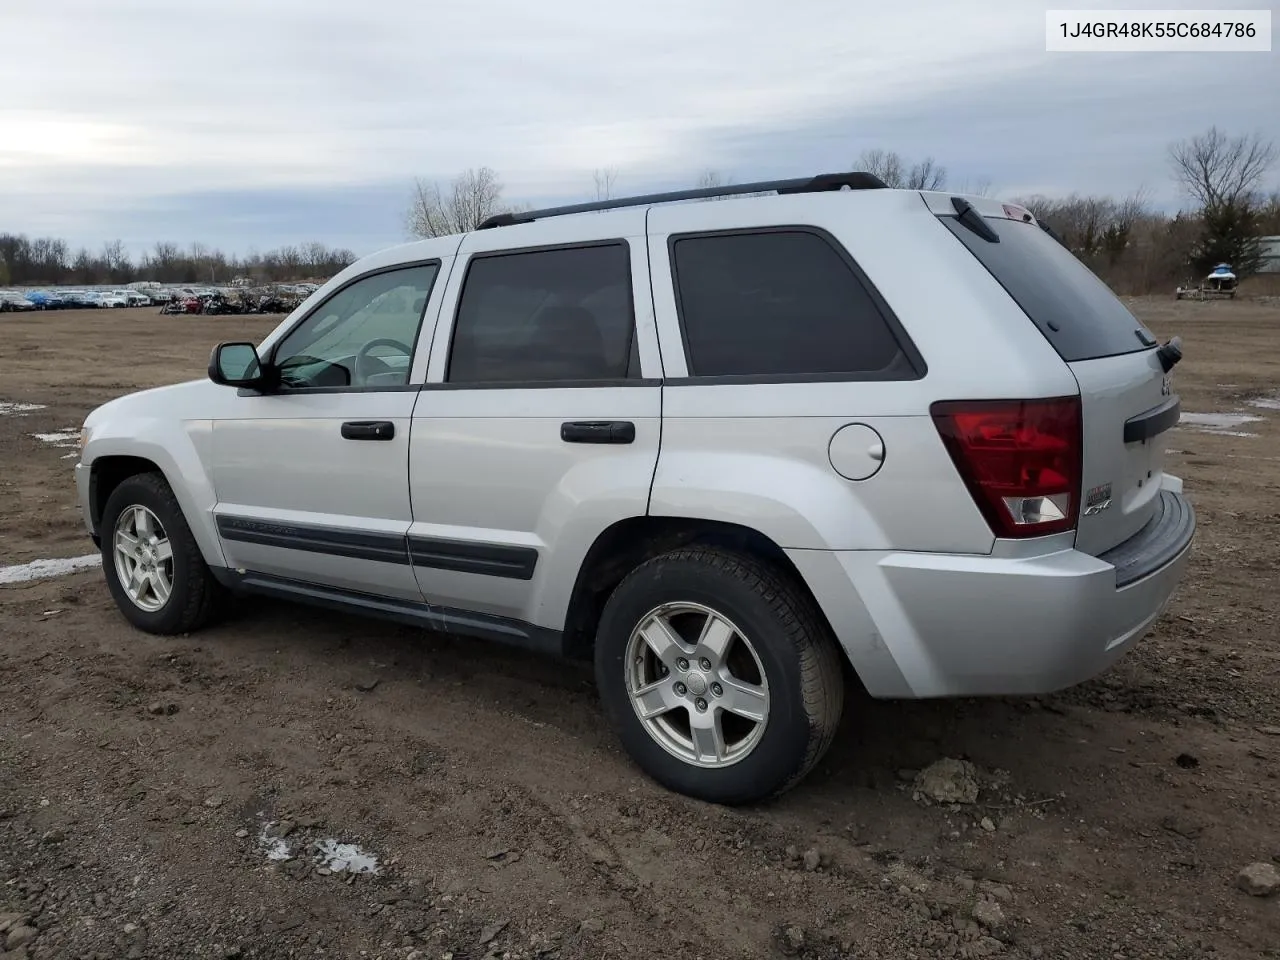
1097	499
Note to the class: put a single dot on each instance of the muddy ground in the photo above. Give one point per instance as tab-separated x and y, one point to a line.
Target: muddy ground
137	774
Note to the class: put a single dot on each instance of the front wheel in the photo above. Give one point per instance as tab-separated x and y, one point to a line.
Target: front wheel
154	568
718	674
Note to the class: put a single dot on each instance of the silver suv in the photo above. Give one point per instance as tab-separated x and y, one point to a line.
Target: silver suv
740	453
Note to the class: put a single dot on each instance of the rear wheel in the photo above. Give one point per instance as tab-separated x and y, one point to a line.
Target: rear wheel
719	676
154	568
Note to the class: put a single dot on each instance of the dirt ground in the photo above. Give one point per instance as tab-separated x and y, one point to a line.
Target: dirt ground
138	774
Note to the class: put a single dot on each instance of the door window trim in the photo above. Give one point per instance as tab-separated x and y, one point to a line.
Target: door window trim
898	332
625	243
437	262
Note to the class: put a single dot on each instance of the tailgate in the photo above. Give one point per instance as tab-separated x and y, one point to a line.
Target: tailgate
1126	406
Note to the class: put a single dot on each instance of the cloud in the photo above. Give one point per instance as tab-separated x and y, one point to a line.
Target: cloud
153	115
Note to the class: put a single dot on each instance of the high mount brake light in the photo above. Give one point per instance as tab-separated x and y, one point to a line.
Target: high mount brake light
1020	459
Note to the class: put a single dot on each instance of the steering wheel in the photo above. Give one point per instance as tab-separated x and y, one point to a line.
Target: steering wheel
362	357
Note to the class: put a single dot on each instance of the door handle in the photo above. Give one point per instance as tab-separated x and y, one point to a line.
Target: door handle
368	430
598	431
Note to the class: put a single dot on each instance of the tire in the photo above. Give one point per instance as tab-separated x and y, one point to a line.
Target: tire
789	654
194	597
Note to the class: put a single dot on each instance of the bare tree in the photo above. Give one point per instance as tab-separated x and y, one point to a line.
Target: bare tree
1215	169
709	179
926	175
979	187
895	171
1096	229
1224	175
471	199
884	164
604	181
116	261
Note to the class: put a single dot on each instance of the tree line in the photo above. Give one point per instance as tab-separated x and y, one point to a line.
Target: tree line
37	261
1133	247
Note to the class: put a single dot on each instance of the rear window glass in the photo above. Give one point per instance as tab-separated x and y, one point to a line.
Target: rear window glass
779	304
1075	310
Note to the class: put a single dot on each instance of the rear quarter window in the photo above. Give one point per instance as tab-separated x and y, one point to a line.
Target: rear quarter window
1077	313
781	304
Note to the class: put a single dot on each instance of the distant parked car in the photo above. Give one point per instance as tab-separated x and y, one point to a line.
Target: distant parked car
44	300
112	300
136	298
11	301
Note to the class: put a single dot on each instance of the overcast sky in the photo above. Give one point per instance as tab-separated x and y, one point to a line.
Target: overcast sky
251	123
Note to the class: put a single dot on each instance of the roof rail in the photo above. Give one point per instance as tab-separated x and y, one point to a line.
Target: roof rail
823	182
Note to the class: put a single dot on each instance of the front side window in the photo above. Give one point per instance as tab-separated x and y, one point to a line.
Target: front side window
781	303
545	316
362	336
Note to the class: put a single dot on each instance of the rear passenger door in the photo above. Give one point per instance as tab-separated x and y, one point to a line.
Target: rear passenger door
538	426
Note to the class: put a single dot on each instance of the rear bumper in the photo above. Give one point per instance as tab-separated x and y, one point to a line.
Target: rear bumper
937	625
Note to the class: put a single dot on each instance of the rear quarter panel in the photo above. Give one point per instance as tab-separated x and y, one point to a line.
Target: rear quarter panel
757	453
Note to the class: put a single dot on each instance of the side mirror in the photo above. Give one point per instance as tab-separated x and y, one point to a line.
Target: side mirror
235	365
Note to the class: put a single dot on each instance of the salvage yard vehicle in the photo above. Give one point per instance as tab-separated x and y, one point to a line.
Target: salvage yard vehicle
12	302
1219	284
737	453
44	300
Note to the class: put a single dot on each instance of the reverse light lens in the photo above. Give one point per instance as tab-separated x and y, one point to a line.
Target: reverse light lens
1020	460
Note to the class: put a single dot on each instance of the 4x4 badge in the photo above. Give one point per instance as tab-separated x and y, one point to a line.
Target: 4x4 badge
1097	499
1165	386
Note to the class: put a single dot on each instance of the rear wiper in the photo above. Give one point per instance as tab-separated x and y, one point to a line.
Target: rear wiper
972	219
1053	233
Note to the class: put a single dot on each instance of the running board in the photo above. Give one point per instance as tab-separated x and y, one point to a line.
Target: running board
464	623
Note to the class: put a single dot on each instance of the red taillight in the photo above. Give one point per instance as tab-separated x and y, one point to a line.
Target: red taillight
1019	458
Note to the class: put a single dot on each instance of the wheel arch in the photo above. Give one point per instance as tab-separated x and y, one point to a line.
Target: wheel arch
106	474
113	462
626	544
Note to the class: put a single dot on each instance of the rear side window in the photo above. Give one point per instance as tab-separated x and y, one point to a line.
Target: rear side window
545	316
1075	310
781	304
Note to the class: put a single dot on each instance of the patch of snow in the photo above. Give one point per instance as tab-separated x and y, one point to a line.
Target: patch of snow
40	569
275	847
347	857
63	438
13	409
1265	403
335	856
1223	424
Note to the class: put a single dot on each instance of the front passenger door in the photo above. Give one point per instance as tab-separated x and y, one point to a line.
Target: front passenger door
312	479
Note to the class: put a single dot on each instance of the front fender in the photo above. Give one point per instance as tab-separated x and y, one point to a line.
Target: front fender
180	449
